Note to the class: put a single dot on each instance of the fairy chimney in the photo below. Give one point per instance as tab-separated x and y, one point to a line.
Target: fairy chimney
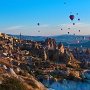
61	48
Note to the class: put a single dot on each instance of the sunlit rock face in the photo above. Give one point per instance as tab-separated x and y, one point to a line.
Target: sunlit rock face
61	48
50	43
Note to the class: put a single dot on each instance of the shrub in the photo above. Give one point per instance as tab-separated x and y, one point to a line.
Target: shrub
12	84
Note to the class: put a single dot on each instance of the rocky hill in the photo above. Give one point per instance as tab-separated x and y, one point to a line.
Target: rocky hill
13	74
31	64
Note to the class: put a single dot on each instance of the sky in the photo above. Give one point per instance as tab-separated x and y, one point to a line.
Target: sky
22	16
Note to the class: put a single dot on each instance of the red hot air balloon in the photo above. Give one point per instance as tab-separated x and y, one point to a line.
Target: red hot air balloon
71	17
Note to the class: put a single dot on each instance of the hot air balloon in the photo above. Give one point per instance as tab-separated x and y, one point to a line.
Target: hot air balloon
76	13
79	30
68	32
38	31
38	24
61	28
64	2
73	23
71	17
68	28
78	19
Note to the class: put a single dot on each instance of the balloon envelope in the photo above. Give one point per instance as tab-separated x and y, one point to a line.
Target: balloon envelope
68	28
78	19
64	2
38	31
77	13
71	17
38	24
79	30
73	23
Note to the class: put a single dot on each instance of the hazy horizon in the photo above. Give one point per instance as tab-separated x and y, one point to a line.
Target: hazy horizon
22	16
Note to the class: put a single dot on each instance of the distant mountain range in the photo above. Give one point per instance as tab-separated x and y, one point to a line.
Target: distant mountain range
67	40
86	45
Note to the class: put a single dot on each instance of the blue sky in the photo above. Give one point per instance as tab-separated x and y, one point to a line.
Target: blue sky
23	15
